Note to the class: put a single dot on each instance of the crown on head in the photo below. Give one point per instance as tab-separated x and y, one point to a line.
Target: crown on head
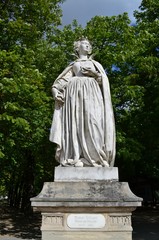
83	38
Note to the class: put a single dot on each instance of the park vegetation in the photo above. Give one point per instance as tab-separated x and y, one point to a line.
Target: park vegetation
34	50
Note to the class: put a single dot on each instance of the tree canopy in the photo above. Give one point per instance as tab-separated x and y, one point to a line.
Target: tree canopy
34	50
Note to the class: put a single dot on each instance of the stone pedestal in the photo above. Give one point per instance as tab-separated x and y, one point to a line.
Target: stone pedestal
91	174
97	207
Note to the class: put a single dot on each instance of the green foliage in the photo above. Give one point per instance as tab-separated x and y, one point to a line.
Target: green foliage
24	22
25	111
34	51
147	62
149	11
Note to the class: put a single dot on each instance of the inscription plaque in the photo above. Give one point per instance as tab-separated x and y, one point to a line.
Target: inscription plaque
86	221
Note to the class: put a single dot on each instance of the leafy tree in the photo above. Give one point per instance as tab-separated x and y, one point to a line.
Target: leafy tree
147	63
34	51
25	111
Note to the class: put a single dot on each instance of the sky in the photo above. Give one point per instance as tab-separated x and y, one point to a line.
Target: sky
84	10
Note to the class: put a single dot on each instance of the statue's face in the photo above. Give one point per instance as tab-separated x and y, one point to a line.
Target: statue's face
84	47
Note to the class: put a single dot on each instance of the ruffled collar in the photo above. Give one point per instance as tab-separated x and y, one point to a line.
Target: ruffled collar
82	60
90	58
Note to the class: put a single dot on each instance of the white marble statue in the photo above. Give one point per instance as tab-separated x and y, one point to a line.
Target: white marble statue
83	122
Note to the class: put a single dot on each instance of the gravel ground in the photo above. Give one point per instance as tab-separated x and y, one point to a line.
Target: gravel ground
17	226
146	224
14	225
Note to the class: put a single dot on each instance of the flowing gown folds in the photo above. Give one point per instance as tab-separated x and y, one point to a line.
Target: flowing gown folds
83	128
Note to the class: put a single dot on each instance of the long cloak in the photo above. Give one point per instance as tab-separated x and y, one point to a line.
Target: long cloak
56	132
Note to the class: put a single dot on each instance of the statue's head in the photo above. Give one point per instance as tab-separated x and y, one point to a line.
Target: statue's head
80	42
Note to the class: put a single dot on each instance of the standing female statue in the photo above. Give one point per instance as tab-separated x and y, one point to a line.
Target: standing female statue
83	123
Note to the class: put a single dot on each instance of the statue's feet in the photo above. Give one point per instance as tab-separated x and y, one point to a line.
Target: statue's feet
79	164
72	163
106	164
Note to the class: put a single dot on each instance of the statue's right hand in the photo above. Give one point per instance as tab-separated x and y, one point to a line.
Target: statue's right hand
60	100
58	96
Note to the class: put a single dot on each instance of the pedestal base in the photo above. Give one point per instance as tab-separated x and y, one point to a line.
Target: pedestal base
86	210
88	174
87	236
79	226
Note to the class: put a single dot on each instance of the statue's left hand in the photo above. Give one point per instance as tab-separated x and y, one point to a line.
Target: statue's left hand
92	73
88	72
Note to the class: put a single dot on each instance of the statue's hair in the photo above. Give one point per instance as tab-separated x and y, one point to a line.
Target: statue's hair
77	45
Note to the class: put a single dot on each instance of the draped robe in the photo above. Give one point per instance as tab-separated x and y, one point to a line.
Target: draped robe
83	128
